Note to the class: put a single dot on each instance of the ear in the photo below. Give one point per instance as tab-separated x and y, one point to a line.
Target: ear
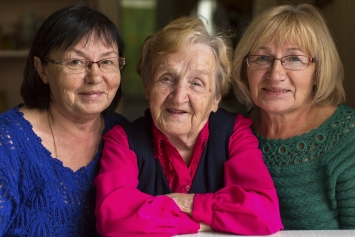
40	69
215	102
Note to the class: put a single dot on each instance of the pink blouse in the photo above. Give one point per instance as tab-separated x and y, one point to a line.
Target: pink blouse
178	174
247	204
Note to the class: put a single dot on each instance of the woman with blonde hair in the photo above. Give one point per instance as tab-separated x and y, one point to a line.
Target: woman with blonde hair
288	73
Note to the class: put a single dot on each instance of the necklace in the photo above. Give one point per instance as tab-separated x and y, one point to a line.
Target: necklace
54	143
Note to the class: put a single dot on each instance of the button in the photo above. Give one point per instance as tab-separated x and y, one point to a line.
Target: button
187	188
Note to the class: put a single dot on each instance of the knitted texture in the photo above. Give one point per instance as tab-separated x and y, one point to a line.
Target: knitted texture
38	195
314	174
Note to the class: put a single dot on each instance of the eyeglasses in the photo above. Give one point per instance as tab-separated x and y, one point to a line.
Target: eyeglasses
79	65
291	62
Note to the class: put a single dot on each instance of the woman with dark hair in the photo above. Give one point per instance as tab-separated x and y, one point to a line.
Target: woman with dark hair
50	145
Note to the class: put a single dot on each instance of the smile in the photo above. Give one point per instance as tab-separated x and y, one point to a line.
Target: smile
92	92
175	111
277	91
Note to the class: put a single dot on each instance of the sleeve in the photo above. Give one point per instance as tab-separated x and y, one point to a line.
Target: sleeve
248	203
344	170
121	209
9	202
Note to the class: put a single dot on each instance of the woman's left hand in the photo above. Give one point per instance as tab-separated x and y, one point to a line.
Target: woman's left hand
184	201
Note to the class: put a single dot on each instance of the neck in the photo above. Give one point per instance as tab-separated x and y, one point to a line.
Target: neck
282	126
74	143
185	146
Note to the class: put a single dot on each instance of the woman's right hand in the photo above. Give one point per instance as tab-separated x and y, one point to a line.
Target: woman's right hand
204	227
184	201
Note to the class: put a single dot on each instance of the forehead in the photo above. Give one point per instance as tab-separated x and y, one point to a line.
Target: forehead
194	57
94	40
91	46
285	40
89	39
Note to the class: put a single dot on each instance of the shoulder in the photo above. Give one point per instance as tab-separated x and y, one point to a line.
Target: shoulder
12	120
222	116
114	119
143	123
340	128
345	110
238	120
15	138
342	120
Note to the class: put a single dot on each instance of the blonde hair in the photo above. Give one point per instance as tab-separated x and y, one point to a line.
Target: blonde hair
304	26
177	34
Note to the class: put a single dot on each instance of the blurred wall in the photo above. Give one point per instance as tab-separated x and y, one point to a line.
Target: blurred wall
339	14
341	19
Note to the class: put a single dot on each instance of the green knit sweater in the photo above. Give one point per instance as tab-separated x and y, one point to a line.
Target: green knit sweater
314	174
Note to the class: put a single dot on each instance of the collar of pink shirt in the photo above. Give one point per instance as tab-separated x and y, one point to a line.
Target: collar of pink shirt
178	174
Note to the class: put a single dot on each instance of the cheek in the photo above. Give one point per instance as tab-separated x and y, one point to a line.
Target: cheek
158	94
252	85
114	82
303	82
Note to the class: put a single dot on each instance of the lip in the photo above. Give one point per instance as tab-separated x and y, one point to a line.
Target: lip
177	112
92	94
275	90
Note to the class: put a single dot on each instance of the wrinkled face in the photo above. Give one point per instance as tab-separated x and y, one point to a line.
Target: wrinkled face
83	93
182	92
279	90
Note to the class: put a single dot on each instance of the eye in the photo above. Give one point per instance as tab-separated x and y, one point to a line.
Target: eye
107	62
293	59
166	79
261	59
76	62
197	82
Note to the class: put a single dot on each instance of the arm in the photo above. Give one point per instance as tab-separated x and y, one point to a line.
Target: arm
7	201
345	185
121	209
185	203
9	195
248	203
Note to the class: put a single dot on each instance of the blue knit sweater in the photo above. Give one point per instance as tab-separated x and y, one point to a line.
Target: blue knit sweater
38	195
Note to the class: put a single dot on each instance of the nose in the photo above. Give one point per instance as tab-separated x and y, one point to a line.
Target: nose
276	70
179	93
93	73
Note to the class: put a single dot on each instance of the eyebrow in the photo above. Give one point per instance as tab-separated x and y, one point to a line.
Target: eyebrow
106	54
165	67
289	49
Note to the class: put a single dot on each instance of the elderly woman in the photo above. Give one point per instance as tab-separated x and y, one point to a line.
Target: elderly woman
288	72
50	145
186	166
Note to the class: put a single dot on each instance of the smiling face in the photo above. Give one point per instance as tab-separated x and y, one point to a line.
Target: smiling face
182	92
88	92
276	89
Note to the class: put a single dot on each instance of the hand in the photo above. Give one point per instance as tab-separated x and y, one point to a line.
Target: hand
204	227
184	201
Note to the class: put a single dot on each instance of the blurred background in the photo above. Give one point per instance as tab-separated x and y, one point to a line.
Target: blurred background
136	19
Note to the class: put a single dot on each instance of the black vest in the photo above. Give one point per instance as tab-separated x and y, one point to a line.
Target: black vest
210	172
